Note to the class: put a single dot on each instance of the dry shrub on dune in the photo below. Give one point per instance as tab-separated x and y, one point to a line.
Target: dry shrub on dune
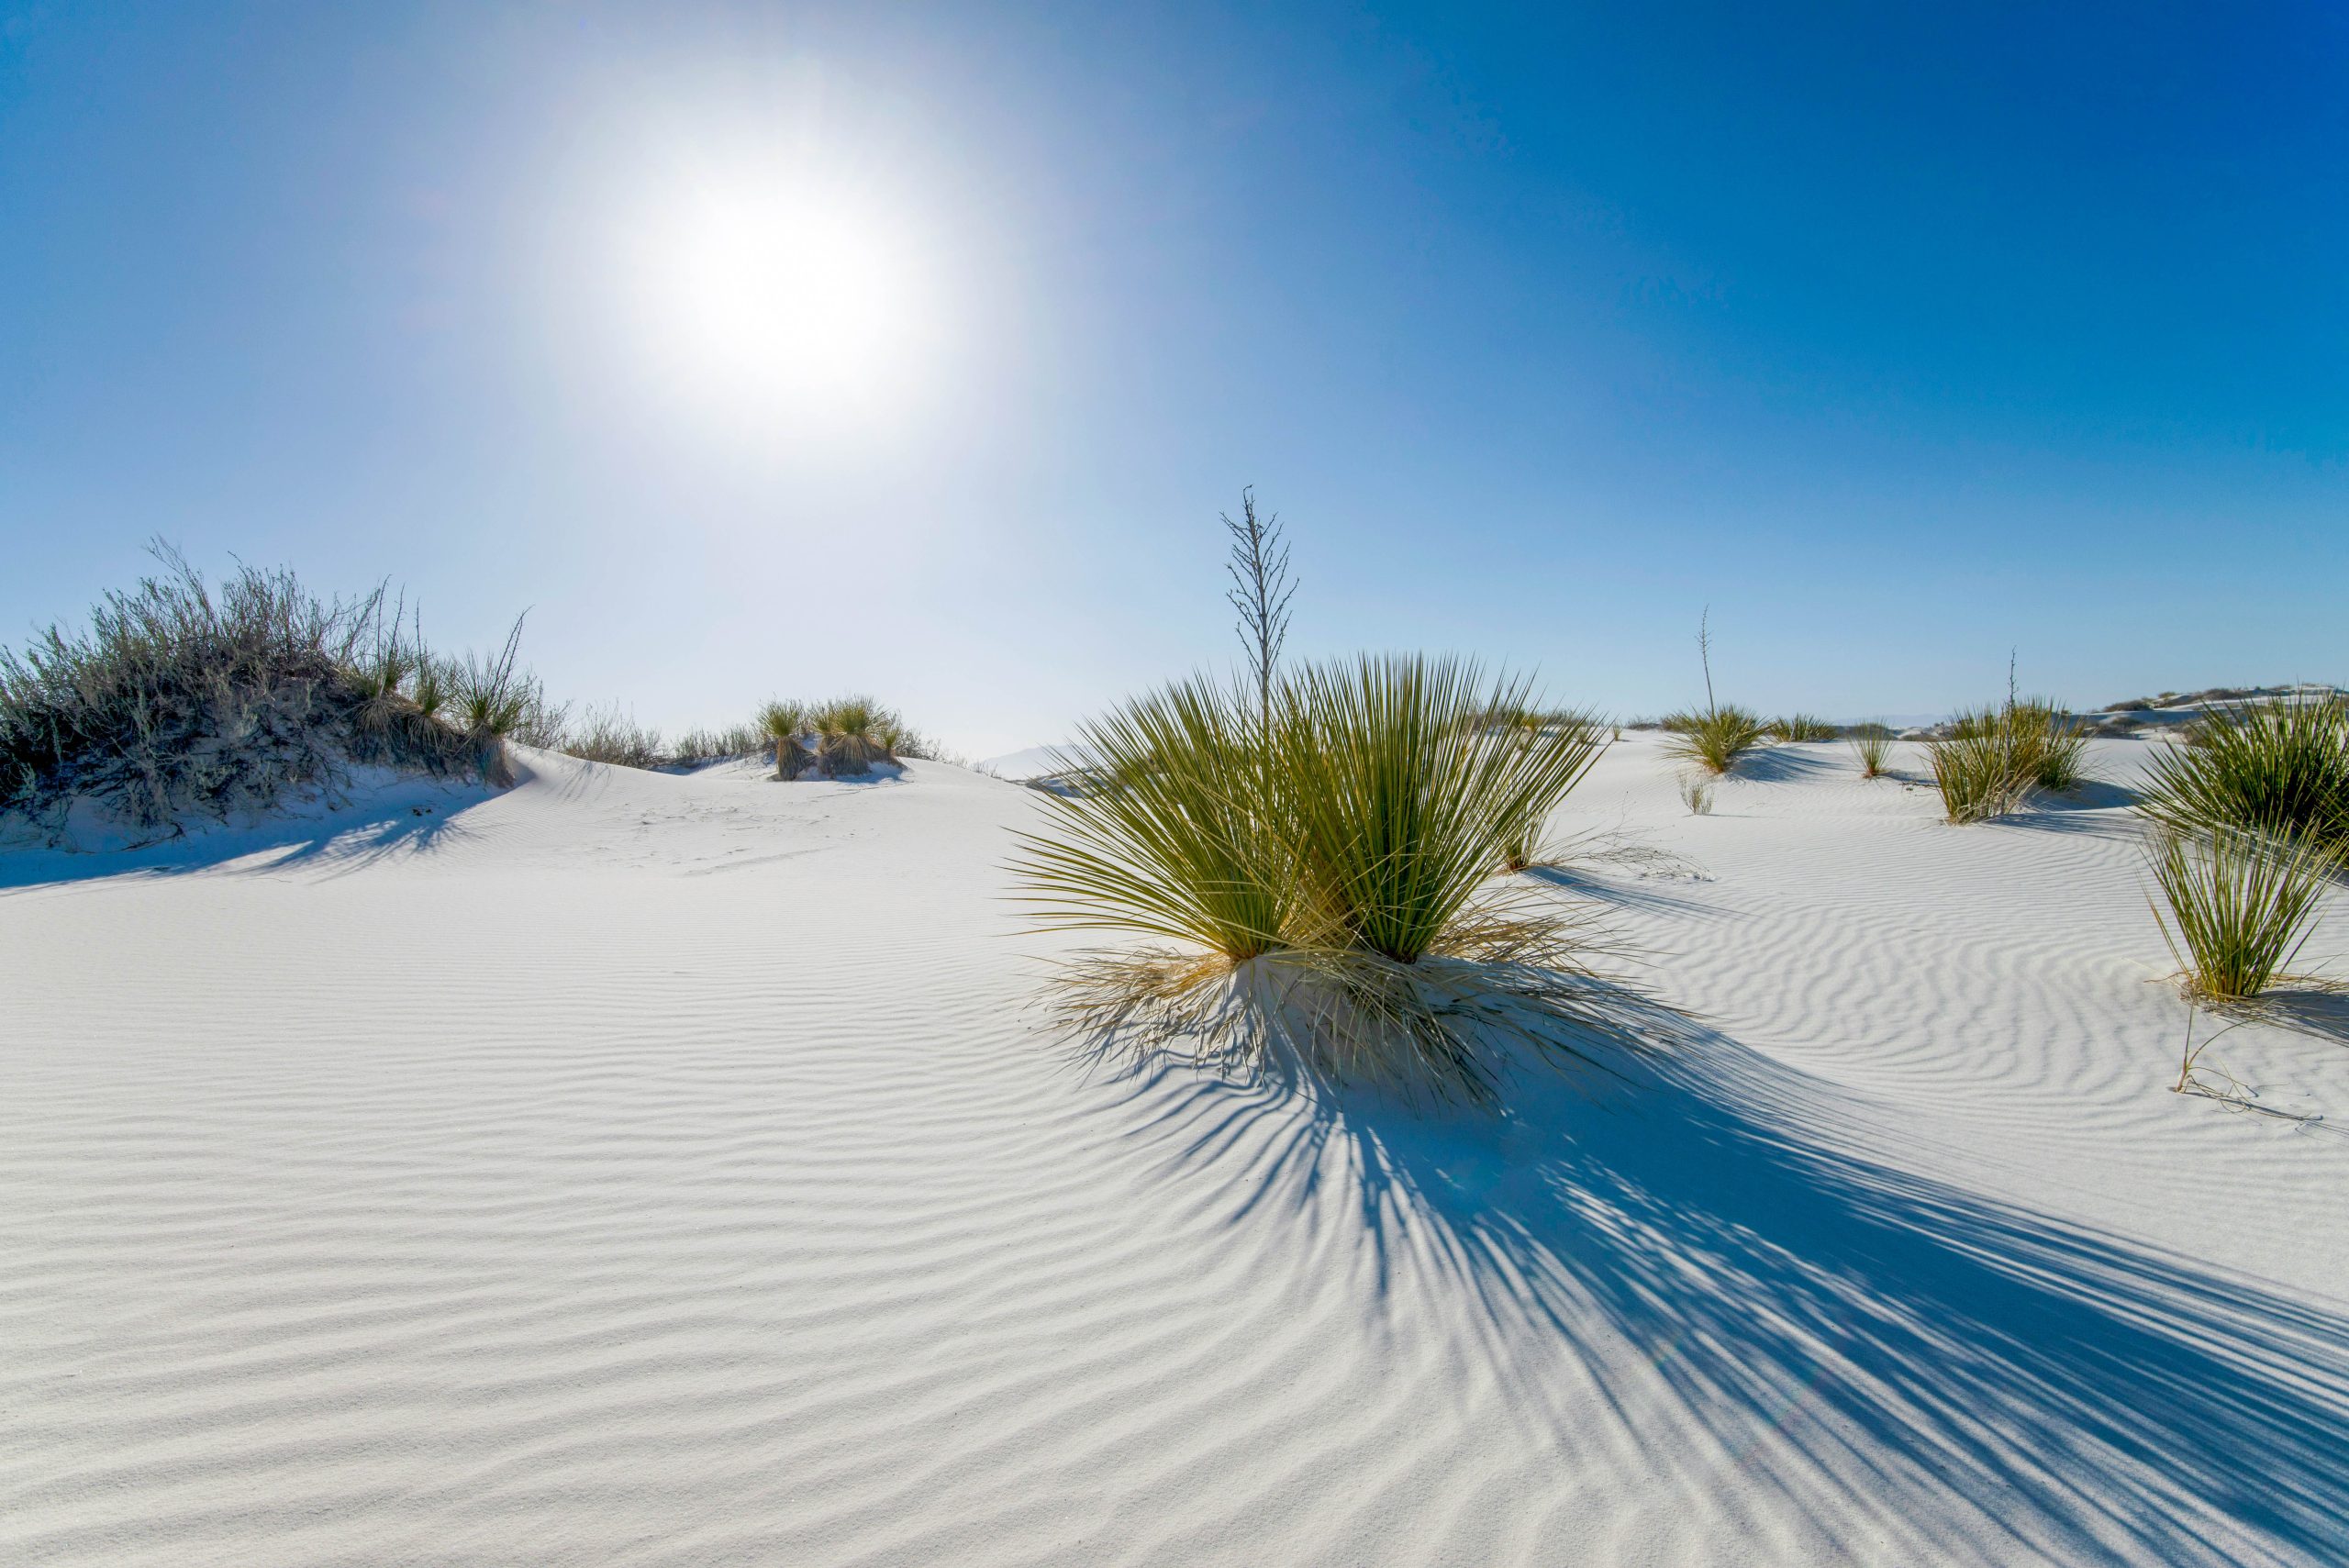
1312	883
182	699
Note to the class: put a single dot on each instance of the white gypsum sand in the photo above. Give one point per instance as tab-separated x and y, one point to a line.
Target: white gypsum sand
630	1169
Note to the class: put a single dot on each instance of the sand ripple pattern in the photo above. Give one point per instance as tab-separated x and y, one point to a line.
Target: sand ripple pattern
642	1171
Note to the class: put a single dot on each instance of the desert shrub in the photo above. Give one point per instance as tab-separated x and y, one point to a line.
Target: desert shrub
1319	878
607	735
1872	743
2277	765
695	747
1802	726
1993	758
1714	739
2240	903
1696	793
183	698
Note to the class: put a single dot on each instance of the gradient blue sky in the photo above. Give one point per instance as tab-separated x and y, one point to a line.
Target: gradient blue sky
1900	335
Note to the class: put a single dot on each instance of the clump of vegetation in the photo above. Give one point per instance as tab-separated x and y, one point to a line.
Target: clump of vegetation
2277	766
1696	793
606	735
1714	739
1873	745
1717	737
784	723
2240	903
1321	870
1993	758
182	699
1800	726
695	747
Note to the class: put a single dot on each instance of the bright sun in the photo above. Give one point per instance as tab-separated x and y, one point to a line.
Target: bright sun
774	299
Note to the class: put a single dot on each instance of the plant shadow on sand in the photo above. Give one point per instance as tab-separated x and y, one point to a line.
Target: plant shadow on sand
1915	1371
332	843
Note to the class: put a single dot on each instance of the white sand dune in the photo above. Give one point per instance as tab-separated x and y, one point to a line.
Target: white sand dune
630	1169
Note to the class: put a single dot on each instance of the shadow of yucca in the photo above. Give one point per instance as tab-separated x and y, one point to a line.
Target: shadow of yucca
1917	1372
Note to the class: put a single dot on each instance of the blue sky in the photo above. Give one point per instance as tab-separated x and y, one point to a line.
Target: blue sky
1900	336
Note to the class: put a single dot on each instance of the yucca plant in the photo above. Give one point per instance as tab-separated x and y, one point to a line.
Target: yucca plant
1321	880
1994	757
850	736
2279	765
1802	726
2240	903
783	723
1714	739
1873	744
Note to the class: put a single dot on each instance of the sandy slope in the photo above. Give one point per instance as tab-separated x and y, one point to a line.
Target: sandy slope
631	1169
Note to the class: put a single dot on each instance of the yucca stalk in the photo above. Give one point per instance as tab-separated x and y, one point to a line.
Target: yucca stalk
2240	904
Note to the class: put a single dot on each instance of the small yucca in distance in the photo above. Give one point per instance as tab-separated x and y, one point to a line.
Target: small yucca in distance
1872	743
1310	881
1715	737
783	722
1796	726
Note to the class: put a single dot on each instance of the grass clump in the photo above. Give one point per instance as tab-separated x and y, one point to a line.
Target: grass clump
1994	758
186	698
1696	793
1714	739
1872	743
1802	726
2240	903
2277	766
1310	879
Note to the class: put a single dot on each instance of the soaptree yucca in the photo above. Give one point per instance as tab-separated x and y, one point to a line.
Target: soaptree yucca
2275	765
2240	903
1310	880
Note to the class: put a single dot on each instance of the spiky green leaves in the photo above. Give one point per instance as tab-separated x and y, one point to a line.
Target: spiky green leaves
1321	874
2240	903
2279	765
1715	739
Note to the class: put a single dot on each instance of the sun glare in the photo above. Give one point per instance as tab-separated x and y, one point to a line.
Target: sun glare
773	298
